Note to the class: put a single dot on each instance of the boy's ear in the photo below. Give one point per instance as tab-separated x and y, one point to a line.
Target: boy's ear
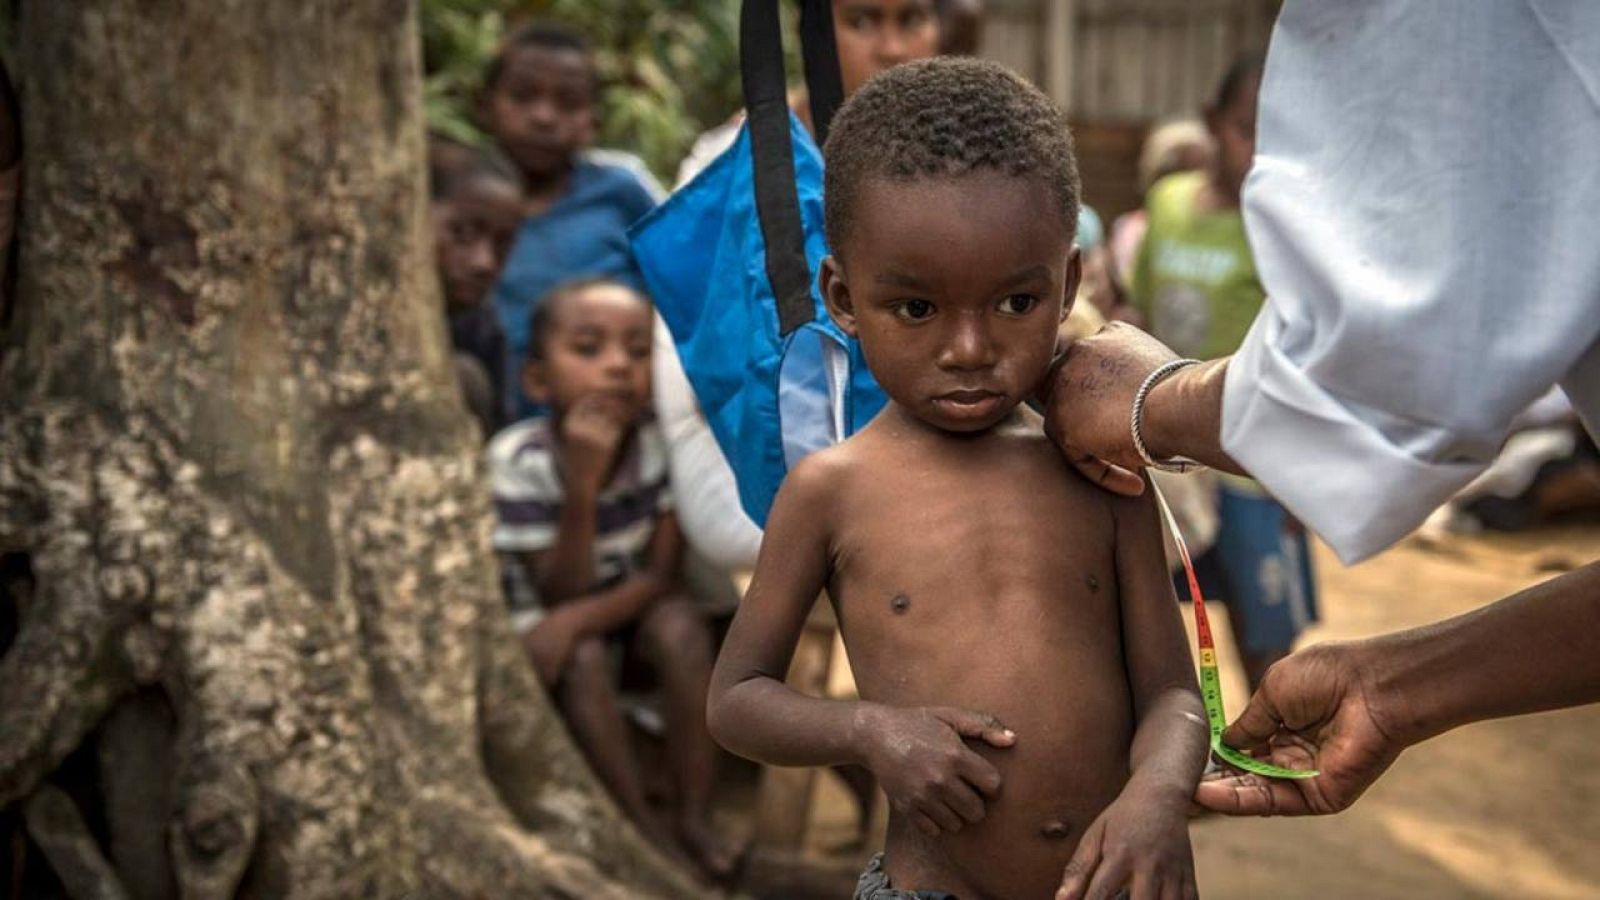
836	295
1070	283
536	381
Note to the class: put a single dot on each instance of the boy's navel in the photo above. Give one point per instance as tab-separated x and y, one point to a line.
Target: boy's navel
1055	830
900	603
1093	582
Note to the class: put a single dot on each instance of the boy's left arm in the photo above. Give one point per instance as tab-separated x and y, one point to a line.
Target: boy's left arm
1141	841
604	611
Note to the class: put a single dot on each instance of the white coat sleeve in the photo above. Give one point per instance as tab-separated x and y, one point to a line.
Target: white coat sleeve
1424	211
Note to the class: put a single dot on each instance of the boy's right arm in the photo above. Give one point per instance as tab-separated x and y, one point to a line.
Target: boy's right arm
919	755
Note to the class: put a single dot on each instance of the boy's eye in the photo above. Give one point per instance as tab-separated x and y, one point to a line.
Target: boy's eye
586	349
1019	304
913	310
639	351
913	18
864	21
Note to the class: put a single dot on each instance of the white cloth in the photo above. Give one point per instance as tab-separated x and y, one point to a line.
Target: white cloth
706	493
1425	214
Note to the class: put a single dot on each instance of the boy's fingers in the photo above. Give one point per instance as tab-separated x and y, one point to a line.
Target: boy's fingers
971	724
943	816
924	824
1110	877
965	801
1075	878
1145	885
980	773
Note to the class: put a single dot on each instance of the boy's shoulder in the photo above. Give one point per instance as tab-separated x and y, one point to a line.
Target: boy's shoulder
622	172
521	443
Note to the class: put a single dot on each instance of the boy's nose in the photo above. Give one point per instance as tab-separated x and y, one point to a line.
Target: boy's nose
892	46
617	361
968	346
541	112
482	259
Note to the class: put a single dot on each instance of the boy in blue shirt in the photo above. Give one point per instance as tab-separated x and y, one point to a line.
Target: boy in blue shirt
538	104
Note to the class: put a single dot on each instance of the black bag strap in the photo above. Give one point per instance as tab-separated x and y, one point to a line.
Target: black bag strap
772	153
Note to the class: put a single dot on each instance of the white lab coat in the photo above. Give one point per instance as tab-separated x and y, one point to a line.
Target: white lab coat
1424	211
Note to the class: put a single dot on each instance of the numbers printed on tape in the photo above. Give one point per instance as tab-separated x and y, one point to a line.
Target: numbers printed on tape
1210	679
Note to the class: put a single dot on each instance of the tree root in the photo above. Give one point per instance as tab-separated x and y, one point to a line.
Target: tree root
59	830
383	738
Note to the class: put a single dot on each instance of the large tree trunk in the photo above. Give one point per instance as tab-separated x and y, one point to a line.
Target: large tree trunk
231	442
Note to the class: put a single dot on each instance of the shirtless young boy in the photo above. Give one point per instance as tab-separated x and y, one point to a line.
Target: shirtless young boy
1026	688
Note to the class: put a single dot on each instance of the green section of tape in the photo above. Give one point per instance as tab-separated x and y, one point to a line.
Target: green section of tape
1211	693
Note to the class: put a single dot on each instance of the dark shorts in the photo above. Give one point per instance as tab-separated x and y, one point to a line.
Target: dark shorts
874	885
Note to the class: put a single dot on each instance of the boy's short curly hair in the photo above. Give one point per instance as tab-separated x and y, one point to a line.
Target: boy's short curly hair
943	118
542	35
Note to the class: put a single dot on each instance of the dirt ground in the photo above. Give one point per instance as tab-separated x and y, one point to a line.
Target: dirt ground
1500	809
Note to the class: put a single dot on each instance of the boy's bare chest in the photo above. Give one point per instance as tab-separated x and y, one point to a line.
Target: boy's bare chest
1024	531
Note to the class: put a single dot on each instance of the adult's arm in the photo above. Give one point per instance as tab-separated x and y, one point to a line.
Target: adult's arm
1350	708
1429	261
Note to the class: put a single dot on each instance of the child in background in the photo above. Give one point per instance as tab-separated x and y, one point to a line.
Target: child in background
585	517
1027	699
1195	281
1180	146
476	205
538	104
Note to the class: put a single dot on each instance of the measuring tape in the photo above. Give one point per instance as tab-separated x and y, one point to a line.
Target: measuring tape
1210	681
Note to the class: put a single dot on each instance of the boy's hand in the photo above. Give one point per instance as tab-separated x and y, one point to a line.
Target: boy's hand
1140	844
591	434
931	776
549	644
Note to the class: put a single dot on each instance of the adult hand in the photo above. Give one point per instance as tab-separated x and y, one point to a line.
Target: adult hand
1089	401
1315	709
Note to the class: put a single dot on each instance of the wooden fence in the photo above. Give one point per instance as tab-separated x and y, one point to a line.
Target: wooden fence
1119	66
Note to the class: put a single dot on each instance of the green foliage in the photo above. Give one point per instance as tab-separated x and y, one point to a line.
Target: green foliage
670	68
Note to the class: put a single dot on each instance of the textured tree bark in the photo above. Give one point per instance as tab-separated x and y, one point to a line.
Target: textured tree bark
231	442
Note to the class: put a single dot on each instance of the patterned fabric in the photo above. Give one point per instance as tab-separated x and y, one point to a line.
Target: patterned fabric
525	478
874	885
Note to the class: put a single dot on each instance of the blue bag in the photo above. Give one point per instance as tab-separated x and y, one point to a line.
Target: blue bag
730	261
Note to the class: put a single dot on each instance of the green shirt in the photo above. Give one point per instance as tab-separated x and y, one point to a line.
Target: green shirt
1194	278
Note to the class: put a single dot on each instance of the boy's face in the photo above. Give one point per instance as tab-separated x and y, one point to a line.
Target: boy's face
473	229
1234	129
541	108
598	345
873	35
955	288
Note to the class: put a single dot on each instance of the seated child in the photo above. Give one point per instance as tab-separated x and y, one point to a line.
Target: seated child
1026	689
540	93
586	516
476	205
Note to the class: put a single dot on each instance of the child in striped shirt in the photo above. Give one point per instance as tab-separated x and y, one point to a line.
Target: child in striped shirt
592	549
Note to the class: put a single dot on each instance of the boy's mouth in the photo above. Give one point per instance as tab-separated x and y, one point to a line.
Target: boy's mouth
966	403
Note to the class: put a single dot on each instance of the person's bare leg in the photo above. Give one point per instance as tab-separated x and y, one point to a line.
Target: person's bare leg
589	702
678	642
